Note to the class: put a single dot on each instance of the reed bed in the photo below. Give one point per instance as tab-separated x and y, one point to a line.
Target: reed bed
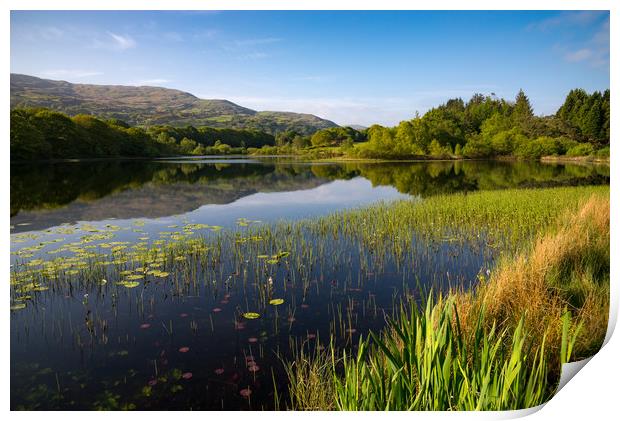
497	347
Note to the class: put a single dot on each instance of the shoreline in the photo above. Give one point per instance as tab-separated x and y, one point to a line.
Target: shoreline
303	158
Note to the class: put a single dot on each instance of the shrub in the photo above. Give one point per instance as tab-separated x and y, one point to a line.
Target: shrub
581	149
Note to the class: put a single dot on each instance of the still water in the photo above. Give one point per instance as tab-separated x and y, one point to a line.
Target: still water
85	345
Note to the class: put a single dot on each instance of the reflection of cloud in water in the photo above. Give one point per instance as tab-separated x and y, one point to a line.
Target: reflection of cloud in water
329	197
337	192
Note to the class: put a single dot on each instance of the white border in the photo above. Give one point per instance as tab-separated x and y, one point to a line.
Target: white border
593	391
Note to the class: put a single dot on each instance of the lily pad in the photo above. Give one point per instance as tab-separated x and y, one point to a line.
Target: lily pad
129	284
276	301
251	315
18	306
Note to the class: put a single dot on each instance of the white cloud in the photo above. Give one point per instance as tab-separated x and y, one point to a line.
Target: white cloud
205	34
310	78
115	42
122	42
365	111
50	32
256	41
257	55
581	18
579	55
150	82
67	73
173	36
594	50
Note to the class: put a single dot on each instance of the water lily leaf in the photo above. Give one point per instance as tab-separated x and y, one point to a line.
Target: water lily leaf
276	301
251	315
129	284
18	306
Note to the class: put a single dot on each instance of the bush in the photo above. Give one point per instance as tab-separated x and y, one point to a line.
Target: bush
581	149
602	153
534	149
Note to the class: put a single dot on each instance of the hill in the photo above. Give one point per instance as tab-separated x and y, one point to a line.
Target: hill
148	106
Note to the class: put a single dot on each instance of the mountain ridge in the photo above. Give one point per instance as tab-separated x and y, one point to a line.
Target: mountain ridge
152	105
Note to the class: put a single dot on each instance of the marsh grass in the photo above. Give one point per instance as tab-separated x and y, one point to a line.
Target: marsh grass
565	268
497	347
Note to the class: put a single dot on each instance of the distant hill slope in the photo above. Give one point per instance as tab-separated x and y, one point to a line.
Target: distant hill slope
147	106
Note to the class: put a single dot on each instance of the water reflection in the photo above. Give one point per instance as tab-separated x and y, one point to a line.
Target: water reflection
48	195
178	341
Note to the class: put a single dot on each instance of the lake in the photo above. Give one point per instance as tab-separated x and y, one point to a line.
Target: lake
174	335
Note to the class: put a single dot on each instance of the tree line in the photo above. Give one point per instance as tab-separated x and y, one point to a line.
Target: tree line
483	127
41	134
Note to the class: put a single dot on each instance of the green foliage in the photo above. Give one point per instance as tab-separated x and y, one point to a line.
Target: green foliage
436	150
581	149
335	136
487	127
208	136
588	114
603	153
424	362
536	148
41	134
45	134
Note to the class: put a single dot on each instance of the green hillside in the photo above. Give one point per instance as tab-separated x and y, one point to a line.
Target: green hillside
147	106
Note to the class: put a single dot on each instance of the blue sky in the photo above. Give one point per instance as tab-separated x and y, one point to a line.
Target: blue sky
350	67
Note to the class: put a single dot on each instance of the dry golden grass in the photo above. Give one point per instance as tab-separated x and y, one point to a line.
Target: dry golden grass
567	268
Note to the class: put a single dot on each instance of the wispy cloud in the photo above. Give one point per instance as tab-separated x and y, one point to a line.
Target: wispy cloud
581	18
115	42
150	82
122	42
37	33
70	73
310	78
594	51
205	34
256	55
579	55
256	41
575	47
173	36
365	111
50	32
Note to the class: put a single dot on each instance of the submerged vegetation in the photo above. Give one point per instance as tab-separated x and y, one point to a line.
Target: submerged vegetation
285	290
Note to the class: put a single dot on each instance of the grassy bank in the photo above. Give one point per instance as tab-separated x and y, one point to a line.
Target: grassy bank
497	347
589	159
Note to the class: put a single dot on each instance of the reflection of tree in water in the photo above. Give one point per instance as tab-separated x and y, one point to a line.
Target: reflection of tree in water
430	178
419	179
46	186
